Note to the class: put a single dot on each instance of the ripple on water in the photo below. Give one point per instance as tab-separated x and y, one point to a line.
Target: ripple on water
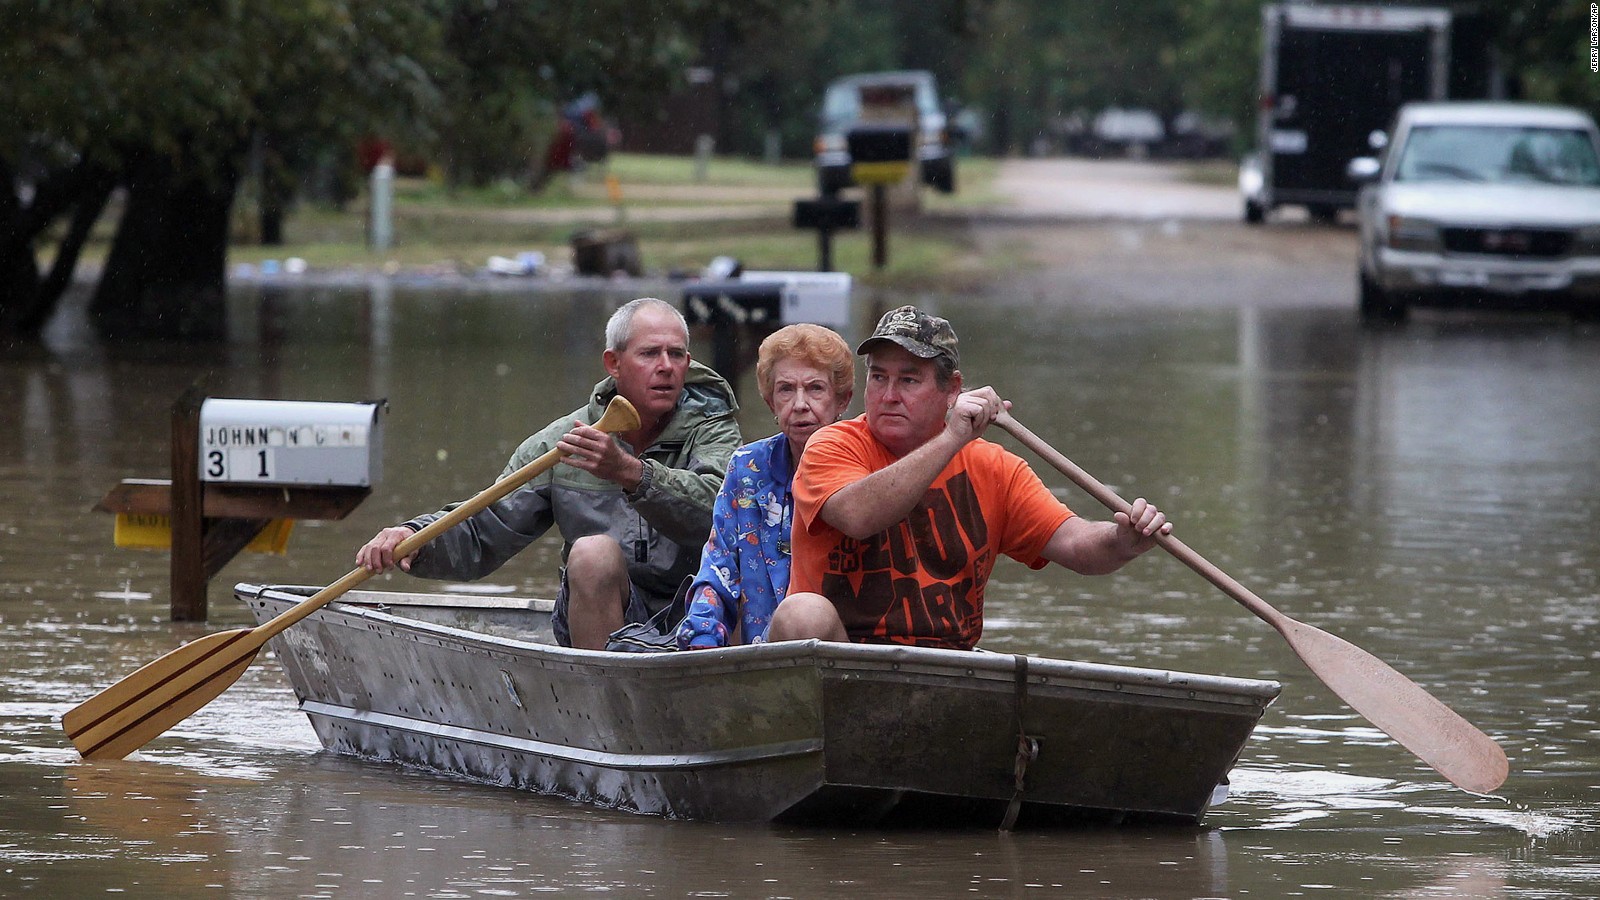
1530	823
1317	783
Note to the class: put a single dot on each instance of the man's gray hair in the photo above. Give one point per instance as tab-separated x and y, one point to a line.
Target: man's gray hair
620	326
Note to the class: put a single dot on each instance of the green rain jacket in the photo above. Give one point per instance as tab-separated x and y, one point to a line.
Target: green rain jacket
661	528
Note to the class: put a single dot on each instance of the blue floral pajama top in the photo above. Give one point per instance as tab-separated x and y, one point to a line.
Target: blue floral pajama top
744	569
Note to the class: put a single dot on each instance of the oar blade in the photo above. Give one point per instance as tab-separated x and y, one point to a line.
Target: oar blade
1394	703
129	714
1417	720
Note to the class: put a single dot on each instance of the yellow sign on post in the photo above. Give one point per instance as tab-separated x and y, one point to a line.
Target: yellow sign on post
891	172
154	532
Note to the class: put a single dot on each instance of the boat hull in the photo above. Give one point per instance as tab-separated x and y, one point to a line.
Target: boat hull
804	731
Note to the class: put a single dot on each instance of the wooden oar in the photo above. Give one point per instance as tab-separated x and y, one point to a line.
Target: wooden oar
129	714
1394	703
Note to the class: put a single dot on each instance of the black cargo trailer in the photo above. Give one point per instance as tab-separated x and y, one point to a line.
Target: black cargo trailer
1331	76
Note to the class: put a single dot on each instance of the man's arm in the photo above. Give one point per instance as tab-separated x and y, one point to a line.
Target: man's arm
601	455
675	499
1099	548
887	496
866	507
483	542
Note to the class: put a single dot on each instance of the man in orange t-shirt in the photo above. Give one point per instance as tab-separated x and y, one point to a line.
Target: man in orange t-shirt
901	513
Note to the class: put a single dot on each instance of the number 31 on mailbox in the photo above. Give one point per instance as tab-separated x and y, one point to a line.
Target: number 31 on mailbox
290	442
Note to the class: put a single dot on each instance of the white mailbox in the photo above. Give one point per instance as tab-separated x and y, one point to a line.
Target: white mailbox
819	297
290	442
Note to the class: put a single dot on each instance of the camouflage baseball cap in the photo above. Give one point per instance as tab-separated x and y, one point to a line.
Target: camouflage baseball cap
919	333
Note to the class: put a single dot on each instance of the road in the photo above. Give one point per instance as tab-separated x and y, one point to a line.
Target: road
1120	190
1123	233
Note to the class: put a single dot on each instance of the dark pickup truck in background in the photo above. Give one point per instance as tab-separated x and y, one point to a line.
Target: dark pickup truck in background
870	117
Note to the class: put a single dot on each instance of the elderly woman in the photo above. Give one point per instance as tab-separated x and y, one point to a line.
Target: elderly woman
806	375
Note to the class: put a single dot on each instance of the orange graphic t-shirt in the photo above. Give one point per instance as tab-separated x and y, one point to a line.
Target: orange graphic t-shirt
921	580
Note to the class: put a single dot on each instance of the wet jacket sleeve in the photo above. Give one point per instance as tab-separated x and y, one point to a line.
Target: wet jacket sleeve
677	501
714	596
483	542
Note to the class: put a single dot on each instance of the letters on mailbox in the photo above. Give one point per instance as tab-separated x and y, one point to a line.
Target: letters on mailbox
740	301
290	442
770	299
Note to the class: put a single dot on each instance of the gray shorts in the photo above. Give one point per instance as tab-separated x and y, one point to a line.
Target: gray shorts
638	609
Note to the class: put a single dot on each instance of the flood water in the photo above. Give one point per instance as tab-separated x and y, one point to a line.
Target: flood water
1430	492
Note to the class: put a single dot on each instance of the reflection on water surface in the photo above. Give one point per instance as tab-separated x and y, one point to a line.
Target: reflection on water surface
1430	493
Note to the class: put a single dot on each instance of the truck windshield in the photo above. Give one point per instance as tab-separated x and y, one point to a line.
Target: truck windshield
1499	154
841	104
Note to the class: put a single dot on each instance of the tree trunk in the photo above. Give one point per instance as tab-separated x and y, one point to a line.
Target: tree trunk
20	288
166	275
28	298
91	203
19	270
276	191
271	219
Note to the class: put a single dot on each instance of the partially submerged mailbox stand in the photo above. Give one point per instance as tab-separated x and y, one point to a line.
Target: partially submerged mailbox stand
743	311
237	465
733	308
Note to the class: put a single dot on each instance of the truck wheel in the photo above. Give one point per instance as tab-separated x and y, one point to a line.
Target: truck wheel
1254	214
1377	305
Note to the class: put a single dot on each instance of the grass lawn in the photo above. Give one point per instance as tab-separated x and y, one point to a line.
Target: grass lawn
720	171
740	208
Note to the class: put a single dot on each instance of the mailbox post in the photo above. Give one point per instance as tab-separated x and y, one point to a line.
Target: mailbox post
882	147
826	214
239	464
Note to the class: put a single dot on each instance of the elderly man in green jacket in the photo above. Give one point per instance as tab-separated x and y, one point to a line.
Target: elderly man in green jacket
633	510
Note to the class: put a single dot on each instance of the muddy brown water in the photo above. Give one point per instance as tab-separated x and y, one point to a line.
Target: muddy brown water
1430	492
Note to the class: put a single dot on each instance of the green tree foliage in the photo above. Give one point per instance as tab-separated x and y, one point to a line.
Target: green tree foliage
165	99
775	67
1219	58
1544	45
521	60
1032	62
1040	63
192	81
176	102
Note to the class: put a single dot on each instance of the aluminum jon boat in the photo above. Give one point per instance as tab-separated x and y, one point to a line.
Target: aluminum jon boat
807	731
